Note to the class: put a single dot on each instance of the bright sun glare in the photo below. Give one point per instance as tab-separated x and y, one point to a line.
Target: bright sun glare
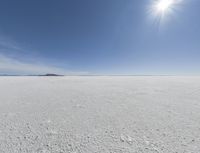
162	10
163	5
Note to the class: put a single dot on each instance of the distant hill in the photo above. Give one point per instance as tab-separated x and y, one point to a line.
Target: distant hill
51	74
48	74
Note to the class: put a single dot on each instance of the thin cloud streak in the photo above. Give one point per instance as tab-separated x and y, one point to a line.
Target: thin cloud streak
9	44
10	65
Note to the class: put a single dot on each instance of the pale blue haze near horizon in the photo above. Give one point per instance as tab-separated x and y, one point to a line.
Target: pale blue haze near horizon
98	37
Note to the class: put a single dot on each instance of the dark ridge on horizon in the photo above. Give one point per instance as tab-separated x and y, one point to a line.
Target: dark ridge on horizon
48	74
57	75
51	74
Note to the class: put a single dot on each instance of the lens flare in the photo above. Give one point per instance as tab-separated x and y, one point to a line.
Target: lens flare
164	5
162	10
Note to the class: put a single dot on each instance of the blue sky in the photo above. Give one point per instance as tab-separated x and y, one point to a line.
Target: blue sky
98	37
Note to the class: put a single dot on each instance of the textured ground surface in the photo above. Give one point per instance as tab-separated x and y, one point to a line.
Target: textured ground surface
99	114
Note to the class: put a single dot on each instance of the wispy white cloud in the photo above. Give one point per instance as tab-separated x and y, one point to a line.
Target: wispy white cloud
13	61
13	66
8	43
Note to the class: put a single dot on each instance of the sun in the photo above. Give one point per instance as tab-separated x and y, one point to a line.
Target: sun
163	5
162	11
